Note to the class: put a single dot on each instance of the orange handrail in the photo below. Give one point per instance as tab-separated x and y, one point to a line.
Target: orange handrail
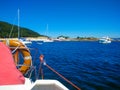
63	77
42	61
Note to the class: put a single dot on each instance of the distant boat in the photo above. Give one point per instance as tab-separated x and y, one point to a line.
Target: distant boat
105	40
48	40
23	40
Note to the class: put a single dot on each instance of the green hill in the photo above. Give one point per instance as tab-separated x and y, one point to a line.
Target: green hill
7	28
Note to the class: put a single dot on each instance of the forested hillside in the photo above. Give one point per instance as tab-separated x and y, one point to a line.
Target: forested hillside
9	30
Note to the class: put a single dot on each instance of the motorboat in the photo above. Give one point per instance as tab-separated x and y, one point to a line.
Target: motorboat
105	40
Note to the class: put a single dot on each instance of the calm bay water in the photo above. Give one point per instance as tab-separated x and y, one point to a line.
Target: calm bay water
89	65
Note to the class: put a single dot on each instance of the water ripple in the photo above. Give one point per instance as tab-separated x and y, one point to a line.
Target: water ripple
90	65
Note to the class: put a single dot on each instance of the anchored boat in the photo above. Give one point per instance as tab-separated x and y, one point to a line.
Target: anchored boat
105	40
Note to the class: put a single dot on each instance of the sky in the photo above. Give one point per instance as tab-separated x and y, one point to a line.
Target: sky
73	18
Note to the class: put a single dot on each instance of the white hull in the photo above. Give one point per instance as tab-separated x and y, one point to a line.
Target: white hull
25	41
105	40
47	40
37	85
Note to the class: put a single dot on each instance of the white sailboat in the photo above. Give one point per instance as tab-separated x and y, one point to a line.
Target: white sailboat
47	39
23	40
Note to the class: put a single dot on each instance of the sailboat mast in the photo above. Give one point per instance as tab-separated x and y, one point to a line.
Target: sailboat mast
18	23
47	30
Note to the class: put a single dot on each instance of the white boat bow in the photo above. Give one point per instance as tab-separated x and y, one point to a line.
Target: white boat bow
37	85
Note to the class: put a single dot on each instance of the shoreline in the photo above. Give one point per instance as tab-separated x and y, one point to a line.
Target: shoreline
53	39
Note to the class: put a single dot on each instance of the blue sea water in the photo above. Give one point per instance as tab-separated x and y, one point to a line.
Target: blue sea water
88	64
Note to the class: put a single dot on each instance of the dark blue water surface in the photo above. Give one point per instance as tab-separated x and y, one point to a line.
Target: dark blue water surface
89	65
